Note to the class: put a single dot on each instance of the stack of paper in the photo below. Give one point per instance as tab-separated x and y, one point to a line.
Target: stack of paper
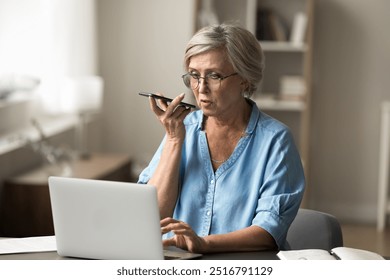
28	245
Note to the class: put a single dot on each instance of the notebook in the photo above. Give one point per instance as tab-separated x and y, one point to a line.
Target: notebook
96	219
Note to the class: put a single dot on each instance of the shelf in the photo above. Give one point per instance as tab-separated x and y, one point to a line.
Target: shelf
280	46
280	105
16	98
20	138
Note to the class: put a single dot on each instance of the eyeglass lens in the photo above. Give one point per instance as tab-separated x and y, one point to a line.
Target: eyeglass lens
193	81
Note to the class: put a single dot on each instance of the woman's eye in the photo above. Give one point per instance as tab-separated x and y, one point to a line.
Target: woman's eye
194	75
214	76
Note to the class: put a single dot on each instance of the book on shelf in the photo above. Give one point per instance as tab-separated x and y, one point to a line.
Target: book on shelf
278	30
339	253
270	26
298	29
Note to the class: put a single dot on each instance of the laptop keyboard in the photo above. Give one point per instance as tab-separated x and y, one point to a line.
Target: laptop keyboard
179	255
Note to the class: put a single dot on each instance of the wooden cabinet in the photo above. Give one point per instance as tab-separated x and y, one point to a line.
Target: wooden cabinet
284	29
25	206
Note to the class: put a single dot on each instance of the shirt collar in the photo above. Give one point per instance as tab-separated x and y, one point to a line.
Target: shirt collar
253	118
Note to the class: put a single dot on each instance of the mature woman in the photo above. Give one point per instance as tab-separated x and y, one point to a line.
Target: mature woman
228	177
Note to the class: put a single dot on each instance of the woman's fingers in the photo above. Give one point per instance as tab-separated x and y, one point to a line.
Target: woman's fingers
170	111
171	115
169	242
184	236
167	221
169	224
155	108
175	103
165	106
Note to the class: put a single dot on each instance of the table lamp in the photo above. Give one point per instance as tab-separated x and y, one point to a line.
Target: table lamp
81	96
84	97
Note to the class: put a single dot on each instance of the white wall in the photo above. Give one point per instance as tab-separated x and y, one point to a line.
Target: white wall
141	46
352	77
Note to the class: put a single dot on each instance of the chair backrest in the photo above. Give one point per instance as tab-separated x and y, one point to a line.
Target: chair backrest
314	230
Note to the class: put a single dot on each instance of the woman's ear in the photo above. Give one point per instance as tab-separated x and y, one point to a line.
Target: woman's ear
244	86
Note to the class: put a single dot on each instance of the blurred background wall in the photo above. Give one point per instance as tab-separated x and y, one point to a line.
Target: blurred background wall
141	46
351	78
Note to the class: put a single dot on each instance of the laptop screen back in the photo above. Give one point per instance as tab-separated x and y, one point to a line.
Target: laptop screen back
105	220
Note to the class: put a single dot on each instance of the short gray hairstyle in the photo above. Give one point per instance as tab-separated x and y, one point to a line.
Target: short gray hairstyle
242	49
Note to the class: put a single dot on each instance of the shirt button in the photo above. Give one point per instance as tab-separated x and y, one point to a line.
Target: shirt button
212	182
208	213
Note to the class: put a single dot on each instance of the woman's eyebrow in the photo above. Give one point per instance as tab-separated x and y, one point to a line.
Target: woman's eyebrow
211	70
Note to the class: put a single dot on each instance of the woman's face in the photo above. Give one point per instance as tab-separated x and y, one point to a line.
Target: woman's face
217	101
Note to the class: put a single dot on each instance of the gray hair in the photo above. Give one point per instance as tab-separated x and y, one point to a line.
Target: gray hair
241	46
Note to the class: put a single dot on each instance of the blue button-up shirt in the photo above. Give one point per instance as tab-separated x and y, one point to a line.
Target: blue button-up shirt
262	183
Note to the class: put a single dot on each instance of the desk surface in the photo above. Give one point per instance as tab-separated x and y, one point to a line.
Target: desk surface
260	255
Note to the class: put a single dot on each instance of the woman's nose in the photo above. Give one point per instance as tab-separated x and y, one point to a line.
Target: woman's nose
203	87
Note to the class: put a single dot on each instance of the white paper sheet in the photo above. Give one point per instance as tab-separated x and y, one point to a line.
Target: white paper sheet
28	245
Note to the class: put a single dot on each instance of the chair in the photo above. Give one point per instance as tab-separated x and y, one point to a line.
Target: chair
314	230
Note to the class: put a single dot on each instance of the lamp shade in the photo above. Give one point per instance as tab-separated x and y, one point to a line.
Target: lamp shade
74	95
83	94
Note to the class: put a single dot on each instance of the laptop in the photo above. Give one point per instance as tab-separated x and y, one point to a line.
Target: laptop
96	219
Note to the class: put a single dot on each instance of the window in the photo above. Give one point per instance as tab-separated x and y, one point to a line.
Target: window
49	40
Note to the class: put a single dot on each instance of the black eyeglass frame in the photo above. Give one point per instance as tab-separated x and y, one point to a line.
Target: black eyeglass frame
208	76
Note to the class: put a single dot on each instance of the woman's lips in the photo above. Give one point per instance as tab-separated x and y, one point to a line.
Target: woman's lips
204	101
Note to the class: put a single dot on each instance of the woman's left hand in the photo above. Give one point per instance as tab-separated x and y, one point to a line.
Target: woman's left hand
185	238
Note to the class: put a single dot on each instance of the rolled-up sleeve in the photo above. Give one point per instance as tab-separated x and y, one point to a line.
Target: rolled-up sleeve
282	188
147	173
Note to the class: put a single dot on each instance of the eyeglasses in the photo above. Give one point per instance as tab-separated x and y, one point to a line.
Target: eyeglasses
213	80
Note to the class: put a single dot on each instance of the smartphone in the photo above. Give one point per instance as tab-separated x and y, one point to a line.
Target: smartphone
148	94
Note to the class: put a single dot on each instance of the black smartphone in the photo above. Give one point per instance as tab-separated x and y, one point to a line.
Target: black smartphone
148	94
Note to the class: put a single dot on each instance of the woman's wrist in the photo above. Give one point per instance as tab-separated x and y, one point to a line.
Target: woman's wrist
205	245
174	142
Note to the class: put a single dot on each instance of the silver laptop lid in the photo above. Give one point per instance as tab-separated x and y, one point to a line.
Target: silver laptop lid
105	220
